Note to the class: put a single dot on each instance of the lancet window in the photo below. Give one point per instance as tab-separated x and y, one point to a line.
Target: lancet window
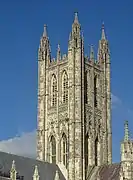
65	87
95	91
53	149
54	90
64	149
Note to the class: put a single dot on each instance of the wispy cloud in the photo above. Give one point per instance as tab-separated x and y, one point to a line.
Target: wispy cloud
25	145
115	101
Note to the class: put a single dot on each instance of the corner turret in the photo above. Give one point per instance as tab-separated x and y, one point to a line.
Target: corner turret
126	171
103	49
76	33
44	52
126	145
104	62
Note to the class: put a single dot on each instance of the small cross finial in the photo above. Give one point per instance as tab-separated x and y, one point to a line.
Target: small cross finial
76	17
103	31
103	25
58	46
91	52
45	31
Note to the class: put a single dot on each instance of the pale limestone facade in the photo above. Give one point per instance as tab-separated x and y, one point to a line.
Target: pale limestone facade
74	108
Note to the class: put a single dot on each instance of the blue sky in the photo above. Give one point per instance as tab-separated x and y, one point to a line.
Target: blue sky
21	26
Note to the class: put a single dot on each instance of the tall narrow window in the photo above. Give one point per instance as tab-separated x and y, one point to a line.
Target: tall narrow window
95	91
54	91
76	29
53	149
85	87
76	42
65	87
64	149
96	152
86	152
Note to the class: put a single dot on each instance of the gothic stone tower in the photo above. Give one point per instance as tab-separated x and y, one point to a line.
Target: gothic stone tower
74	101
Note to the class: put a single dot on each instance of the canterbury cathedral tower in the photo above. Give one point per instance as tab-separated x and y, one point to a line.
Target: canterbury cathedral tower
74	105
74	135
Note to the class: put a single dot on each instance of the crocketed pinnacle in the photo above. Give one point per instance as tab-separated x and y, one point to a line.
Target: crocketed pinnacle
91	53
36	174
36	171
58	52
13	168
57	175
13	171
126	134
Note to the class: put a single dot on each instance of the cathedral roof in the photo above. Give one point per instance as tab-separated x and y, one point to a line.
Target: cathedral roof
110	172
105	172
25	167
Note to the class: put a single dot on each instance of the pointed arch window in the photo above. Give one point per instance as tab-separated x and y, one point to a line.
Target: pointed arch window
95	91
96	152
54	90
86	151
65	87
64	150
53	149
76	29
76	42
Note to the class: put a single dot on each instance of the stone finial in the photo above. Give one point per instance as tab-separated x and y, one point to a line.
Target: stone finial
45	31
13	165
13	171
91	53
76	18
57	177
36	174
103	32
58	53
126	131
58	49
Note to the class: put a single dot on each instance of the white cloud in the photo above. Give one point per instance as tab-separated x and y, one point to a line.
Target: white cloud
25	145
115	101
